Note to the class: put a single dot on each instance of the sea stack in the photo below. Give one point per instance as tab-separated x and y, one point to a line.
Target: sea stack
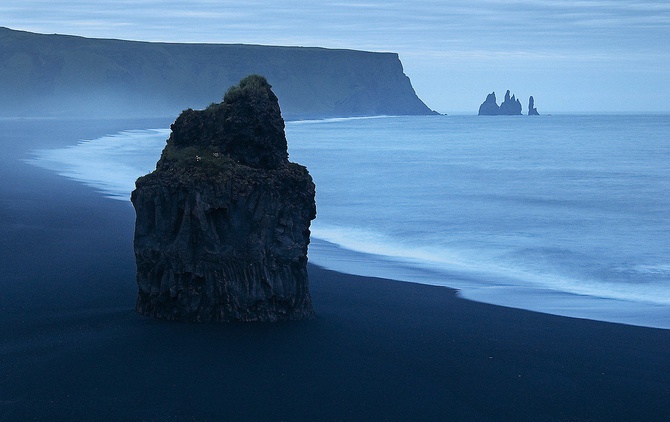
511	106
532	111
222	224
490	106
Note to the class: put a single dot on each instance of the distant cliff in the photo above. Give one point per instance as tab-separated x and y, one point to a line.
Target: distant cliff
223	222
60	75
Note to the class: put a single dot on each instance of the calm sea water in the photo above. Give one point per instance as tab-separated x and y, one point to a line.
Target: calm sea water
562	214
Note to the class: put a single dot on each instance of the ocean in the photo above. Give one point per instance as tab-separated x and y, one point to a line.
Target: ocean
563	214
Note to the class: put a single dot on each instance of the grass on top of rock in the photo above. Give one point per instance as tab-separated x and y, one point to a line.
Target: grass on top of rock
183	166
196	145
195	158
252	84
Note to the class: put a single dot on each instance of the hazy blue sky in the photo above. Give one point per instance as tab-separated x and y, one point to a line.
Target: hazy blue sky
592	55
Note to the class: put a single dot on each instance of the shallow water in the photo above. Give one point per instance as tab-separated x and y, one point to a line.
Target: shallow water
561	214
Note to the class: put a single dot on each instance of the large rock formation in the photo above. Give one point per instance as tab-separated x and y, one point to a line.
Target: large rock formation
511	106
532	111
223	222
490	106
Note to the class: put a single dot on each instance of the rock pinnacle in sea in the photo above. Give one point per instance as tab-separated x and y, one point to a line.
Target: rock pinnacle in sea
222	224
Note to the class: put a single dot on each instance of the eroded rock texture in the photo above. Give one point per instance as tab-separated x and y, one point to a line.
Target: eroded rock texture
223	222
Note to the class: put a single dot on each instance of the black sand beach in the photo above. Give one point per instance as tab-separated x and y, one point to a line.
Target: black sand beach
72	348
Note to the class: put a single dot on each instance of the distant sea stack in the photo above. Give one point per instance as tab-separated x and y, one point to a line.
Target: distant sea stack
532	111
511	106
490	106
222	224
62	75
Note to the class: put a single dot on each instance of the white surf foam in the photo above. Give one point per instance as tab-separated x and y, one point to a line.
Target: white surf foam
334	119
110	164
487	266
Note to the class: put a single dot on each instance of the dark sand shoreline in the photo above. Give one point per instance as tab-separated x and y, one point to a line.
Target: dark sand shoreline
72	348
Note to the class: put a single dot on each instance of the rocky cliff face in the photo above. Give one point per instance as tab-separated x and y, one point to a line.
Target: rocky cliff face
59	75
223	222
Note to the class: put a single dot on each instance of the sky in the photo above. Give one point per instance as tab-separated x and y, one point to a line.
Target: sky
572	56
